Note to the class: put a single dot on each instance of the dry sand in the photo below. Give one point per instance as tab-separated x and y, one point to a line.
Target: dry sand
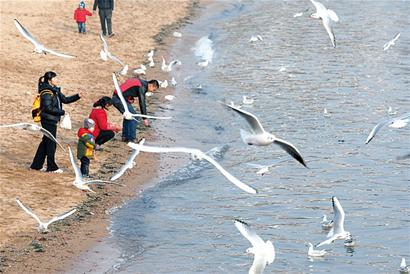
138	26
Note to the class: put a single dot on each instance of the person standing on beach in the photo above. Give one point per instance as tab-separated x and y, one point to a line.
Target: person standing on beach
51	99
103	131
105	8
80	16
85	146
132	88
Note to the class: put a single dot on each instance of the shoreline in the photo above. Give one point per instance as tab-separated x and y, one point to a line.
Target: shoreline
70	238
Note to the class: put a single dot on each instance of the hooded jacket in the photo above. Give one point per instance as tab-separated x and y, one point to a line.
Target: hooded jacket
80	15
51	103
86	144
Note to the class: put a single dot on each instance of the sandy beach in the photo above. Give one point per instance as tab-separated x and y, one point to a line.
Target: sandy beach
138	26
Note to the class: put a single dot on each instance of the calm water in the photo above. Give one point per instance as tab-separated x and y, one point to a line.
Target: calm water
184	224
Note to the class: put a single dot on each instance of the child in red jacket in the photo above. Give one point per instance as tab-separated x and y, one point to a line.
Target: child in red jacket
80	16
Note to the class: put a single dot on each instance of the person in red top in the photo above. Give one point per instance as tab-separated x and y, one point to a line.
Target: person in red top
103	131
80	16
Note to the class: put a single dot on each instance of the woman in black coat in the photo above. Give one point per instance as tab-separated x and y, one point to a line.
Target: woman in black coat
51	112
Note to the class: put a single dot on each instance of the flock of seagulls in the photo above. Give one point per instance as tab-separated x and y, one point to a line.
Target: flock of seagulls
263	251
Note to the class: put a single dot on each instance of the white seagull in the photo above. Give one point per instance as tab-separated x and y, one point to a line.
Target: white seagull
38	47
42	226
141	70
256	38
150	56
264	252
391	42
247	100
127	114
315	253
258	136
203	63
129	164
265	169
337	232
177	34
404	268
163	84
169	97
326	224
325	15
173	82
79	182
33	127
168	68
397	122
198	155
105	54
350	241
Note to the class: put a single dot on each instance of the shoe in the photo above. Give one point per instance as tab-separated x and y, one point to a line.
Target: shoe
111	35
57	171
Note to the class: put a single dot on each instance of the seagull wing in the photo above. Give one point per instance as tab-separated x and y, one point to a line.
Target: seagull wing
249	233
291	149
77	171
339	216
259	263
328	241
119	92
198	153
50	136
328	27
332	15
58	54
229	176
100	182
116	59
28	211
128	164
396	37
105	45
319	6
60	217
151	117
252	120
26	33
376	129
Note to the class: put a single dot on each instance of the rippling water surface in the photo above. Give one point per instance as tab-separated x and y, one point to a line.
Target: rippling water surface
184	224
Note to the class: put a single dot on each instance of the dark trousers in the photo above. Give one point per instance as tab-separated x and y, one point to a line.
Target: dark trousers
104	136
47	148
129	127
81	27
85	166
105	17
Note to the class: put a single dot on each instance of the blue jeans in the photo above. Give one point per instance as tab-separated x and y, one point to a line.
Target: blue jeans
81	27
129	127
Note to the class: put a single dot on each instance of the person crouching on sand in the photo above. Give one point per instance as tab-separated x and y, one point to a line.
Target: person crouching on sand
85	146
103	131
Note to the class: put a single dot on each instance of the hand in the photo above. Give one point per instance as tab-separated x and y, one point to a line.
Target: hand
117	129
146	122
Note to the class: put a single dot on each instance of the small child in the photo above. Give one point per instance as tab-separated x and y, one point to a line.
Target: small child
80	16
86	145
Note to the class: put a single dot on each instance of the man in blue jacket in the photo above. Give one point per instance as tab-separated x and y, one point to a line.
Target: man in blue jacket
105	8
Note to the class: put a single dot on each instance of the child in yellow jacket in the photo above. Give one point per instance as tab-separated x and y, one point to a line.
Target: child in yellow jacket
86	145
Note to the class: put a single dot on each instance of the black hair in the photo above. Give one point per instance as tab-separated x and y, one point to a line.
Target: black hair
103	101
154	82
47	77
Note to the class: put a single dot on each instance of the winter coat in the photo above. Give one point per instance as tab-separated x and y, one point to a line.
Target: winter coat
80	15
103	4
132	88
51	103
99	116
86	144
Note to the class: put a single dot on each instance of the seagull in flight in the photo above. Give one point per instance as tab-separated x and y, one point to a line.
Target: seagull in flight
337	232
315	253
127	114
79	182
326	15
33	127
265	169
264	252
397	122
391	42
256	38
197	155
129	164
404	268
105	54
42	226
258	136
38	47
168	68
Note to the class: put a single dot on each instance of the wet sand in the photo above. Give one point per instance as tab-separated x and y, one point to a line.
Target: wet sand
138	27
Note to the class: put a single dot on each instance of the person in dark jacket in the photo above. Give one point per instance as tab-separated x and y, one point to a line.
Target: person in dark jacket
131	89
105	8
51	111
